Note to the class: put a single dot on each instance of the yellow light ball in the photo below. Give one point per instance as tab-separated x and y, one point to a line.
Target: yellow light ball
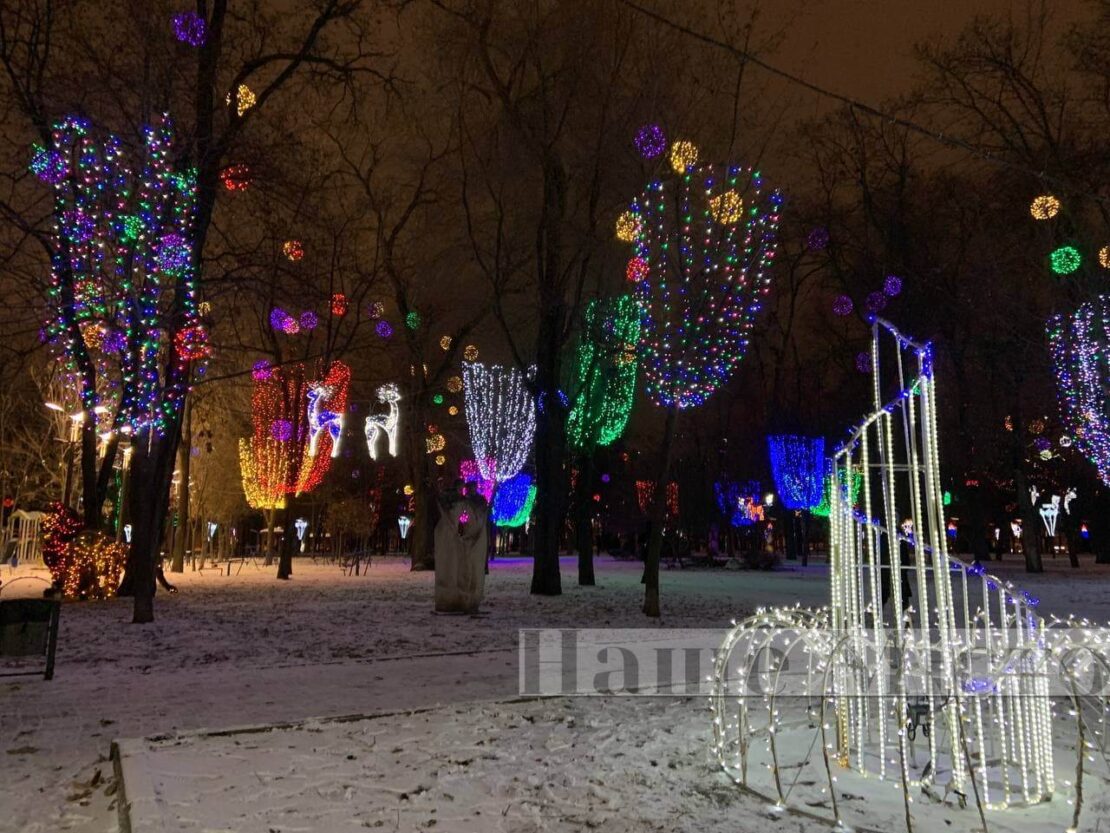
408	490
1104	257
470	353
683	155
454	384
727	208
445	343
453	410
629	225
440	459
1044	207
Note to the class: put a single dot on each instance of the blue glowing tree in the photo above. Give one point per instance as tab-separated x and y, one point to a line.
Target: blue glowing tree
798	468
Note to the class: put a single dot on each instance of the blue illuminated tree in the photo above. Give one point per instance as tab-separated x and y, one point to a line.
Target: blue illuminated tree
798	469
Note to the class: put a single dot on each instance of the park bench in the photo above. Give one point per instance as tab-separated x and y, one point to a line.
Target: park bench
28	628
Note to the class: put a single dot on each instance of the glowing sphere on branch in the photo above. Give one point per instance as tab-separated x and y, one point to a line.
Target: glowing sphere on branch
384	329
892	286
628	226
278	317
261	370
863	362
470	353
236	177
445	343
244	99
818	239
440	460
290	326
651	141
93	336
408	490
684	155
309	320
173	253
1104	257
843	305
1065	260
338	304
48	165
437	399
412	320
453	410
637	269
454	384
727	208
434	443
190	28
293	249
191	343
1044	207
281	430
376	310
875	302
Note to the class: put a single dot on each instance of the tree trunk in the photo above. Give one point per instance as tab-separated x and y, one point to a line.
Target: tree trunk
422	532
288	541
269	518
177	563
584	522
658	519
1030	523
546	580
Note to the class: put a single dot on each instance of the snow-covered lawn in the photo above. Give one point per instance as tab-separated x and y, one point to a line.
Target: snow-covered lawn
246	649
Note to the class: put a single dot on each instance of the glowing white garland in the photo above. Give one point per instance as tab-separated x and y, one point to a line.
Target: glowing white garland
501	417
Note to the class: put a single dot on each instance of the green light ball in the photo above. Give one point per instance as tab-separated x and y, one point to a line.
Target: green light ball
1065	260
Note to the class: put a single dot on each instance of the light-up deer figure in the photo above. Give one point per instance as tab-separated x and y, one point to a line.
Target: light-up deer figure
386	423
320	419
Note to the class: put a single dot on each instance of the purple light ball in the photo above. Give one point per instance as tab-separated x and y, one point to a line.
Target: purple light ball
875	302
190	28
892	285
605	478
863	362
651	141
290	326
1042	444
309	320
843	305
384	329
173	253
49	166
262	370
278	317
114	342
281	430
818	239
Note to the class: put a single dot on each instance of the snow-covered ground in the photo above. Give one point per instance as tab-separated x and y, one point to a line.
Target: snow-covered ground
246	649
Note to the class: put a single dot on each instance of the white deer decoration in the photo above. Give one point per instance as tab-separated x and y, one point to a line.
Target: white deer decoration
320	420
377	424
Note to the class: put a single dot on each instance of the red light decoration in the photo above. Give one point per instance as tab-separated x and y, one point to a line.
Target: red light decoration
293	249
236	177
191	343
637	270
338	304
645	493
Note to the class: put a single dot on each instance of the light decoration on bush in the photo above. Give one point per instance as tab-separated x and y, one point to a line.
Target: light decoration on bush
244	99
190	28
684	155
1104	257
387	423
651	141
123	267
471	473
628	226
236	177
293	250
605	383
1080	346
727	208
843	305
501	417
798	468
470	353
1065	260
705	282
1044	207
512	503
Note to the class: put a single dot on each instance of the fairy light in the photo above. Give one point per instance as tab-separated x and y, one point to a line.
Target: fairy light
636	270
797	466
435	443
1044	207
264	469
892	286
190	28
387	424
293	250
651	141
628	226
445	343
706	282
384	329
1104	257
739	502
455	384
244	99
471	473
1065	260
684	155
470	353
338	304
875	302
842	305
376	310
236	177
605	383
727	208
512	503
645	494
501	418
308	320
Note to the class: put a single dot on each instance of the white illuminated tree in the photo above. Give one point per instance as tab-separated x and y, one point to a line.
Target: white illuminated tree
501	417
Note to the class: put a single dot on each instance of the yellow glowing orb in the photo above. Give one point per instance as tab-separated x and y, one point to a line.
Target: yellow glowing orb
93	336
445	343
205	308
683	155
440	459
408	490
1044	207
727	208
470	353
1104	257
455	384
436	442
453	410
629	225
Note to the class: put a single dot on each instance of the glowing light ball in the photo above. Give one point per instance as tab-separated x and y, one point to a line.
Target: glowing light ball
650	141
727	208
114	341
376	310
470	353
281	430
453	410
205	308
1104	257
293	250
93	336
309	320
48	165
683	156
384	329
244	99
278	317
875	302
817	239
843	305
435	442
236	177
412	320
445	343
440	460
338	304
1042	444
191	343
261	370
863	362
190	28
290	326
628	226
1065	260
454	384
438	399
172	255
1044	207
131	227
408	490
892	286
636	270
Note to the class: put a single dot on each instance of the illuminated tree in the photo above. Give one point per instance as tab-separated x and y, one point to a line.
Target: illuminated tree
700	267
603	389
264	467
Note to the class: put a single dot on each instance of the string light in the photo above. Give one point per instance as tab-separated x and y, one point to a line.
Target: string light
1044	207
1065	260
628	226
264	469
684	155
706	282
236	177
843	305
338	304
512	503
727	208
605	381
739	502
797	466
848	495
293	250
1104	257
244	99
190	28
501	417
645	494
651	141
471	473
412	320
